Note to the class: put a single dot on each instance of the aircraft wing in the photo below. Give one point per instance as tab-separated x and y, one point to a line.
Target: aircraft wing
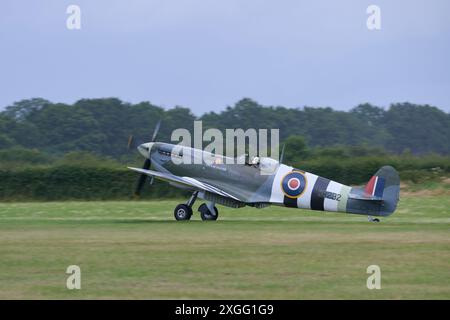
187	181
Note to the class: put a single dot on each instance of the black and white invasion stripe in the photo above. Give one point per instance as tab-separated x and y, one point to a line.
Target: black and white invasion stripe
317	198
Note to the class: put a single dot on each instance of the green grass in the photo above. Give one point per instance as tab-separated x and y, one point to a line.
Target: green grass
136	250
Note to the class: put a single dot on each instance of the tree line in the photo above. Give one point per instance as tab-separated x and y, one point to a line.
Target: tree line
102	126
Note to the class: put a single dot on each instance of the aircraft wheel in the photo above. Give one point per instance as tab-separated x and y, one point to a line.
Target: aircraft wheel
376	220
206	214
182	212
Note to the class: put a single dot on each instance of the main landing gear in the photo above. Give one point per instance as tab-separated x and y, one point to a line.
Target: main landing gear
372	219
208	211
184	211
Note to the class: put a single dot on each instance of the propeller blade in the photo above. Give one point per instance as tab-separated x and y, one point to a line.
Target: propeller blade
155	132
130	141
142	177
147	164
133	142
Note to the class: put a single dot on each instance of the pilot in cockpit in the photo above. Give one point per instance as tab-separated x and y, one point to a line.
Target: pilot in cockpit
255	162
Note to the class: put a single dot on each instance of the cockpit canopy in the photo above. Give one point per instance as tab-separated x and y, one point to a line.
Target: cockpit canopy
268	165
265	164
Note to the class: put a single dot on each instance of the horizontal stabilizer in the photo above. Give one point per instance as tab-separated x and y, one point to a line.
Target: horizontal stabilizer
364	197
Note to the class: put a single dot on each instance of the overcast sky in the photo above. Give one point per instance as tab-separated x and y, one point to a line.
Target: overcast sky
206	54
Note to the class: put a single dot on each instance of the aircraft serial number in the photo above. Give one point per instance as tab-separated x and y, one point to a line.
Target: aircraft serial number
331	195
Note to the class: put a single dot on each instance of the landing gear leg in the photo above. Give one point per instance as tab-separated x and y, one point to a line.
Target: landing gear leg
208	211
184	211
192	199
372	219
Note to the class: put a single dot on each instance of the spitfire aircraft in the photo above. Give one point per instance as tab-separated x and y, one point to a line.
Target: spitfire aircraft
261	182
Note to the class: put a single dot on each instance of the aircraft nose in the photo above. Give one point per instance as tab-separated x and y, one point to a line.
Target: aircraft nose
145	149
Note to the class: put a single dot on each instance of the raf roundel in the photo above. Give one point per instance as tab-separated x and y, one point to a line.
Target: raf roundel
293	184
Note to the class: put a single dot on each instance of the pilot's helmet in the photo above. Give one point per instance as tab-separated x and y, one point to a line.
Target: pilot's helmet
255	160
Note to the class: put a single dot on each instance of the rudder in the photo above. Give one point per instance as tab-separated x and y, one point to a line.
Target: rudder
385	184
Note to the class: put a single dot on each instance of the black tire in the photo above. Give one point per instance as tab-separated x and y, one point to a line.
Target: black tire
207	215
182	212
376	220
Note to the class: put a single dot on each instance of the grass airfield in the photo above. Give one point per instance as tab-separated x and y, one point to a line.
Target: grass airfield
136	250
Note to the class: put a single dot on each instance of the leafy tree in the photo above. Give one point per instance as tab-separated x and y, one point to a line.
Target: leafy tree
21	109
295	149
18	157
102	126
420	128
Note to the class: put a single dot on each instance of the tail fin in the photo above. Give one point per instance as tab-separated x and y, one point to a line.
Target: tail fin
385	184
379	196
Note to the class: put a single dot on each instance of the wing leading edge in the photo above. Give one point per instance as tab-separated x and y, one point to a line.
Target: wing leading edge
186	181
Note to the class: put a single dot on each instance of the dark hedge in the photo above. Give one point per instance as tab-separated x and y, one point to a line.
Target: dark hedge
104	183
